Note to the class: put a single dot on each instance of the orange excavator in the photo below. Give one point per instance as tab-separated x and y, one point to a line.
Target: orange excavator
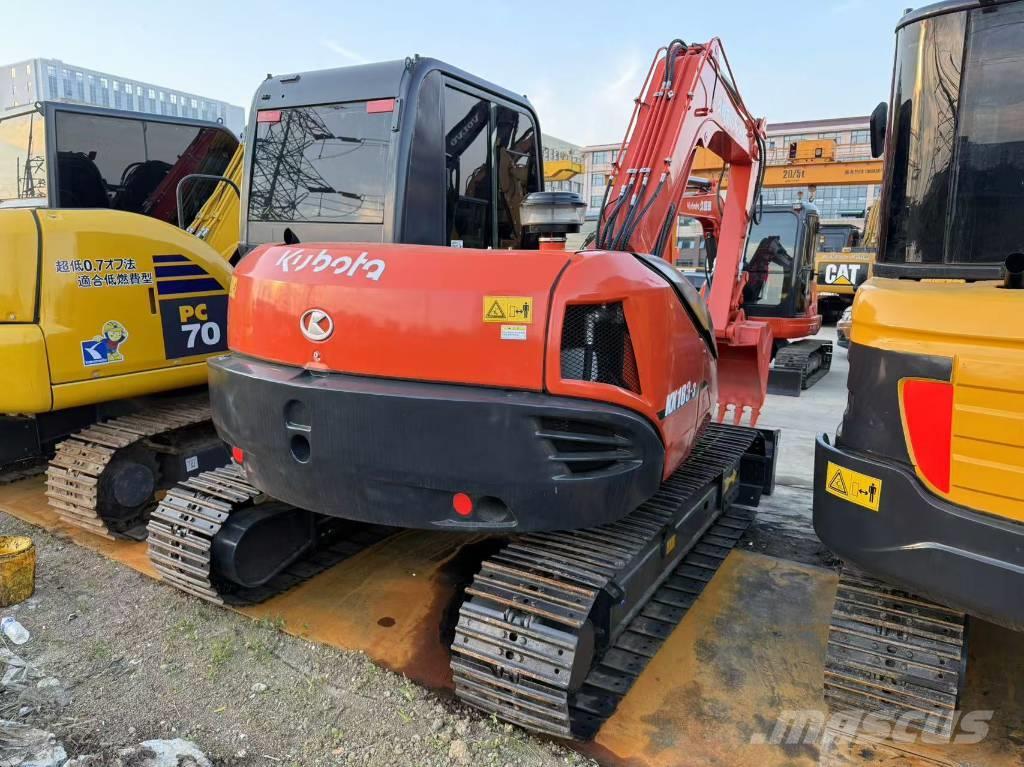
561	402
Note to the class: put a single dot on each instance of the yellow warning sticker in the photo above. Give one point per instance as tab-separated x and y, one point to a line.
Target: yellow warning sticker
518	309
853	486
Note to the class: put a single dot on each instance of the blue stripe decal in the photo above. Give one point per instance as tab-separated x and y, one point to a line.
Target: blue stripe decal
183	270
173	287
170	259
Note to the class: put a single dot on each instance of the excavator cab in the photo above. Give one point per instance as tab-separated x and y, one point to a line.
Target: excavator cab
835	238
780	291
358	154
779	262
72	156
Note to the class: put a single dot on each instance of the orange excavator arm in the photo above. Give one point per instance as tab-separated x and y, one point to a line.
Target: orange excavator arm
689	101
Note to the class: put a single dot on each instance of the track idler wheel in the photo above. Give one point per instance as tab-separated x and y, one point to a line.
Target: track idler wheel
126	491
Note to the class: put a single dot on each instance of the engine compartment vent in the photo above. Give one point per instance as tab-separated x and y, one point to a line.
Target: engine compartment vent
596	346
586	448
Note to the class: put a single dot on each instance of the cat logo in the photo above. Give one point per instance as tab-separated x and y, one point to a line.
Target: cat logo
842	274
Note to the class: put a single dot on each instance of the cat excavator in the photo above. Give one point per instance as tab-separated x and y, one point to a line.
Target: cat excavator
561	403
920	491
108	309
844	261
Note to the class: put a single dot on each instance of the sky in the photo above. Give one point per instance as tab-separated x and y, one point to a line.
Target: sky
581	64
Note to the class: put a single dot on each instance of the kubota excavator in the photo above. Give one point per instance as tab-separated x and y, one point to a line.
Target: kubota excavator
780	289
921	491
781	292
560	401
108	310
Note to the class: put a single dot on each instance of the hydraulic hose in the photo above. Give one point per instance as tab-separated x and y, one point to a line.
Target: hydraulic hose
604	201
631	227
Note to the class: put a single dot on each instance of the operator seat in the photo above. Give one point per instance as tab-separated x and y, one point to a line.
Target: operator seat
80	183
139	183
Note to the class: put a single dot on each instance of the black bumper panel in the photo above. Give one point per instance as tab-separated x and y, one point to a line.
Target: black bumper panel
395	452
964	559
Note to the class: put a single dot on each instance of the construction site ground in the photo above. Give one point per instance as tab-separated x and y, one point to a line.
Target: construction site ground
351	667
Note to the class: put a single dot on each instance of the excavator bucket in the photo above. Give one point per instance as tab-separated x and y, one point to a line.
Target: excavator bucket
743	364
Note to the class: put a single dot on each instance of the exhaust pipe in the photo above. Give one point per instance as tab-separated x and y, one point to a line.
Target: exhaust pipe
1013	272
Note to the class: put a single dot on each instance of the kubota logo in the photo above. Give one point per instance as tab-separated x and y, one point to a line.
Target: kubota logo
297	260
316	325
701	206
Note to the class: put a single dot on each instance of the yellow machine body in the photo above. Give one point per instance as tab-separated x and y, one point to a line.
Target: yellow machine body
217	221
100	305
841	273
943	319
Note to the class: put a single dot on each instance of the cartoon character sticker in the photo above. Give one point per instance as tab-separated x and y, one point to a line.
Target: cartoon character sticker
106	347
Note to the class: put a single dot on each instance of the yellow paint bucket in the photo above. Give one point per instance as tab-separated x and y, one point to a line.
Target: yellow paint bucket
17	569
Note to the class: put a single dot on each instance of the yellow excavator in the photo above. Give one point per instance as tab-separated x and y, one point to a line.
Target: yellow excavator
843	262
921	491
108	309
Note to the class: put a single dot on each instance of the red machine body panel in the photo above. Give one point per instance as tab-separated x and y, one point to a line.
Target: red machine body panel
670	354
398	311
419	313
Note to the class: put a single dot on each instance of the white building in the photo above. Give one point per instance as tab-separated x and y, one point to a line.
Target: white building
54	80
562	164
853	143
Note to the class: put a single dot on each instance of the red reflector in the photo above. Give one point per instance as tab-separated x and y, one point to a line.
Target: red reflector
238	455
928	414
269	116
462	504
380	105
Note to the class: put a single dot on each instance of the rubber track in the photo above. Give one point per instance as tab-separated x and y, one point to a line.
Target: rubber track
74	473
893	653
526	616
798	355
186	522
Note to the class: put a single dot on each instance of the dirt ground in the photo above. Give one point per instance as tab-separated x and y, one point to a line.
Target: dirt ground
142	662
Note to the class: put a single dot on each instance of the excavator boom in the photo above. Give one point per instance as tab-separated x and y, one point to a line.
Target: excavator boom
689	101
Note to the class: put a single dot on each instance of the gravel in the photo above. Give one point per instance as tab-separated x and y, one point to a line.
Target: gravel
142	662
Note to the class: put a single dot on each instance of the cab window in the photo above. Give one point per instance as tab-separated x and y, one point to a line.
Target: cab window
487	178
771	248
324	164
468	168
134	165
956	152
22	159
515	164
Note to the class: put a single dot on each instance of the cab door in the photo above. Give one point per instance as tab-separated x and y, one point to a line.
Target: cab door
804	288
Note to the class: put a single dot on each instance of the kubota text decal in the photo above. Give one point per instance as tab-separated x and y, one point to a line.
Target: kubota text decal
345	266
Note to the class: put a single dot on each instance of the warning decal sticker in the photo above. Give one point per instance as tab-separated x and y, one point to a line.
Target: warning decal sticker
517	309
853	486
